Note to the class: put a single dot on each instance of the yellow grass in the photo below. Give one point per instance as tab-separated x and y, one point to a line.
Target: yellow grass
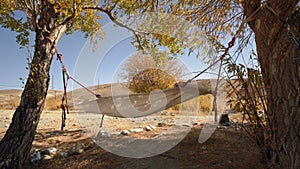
52	104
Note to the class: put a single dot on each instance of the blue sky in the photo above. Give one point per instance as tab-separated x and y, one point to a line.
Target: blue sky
75	50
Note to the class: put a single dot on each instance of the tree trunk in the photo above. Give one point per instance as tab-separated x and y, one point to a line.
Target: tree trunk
17	142
277	55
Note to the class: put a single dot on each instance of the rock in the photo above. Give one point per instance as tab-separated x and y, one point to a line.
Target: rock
115	133
164	113
63	154
172	124
153	127
48	135
172	114
196	123
47	157
261	113
50	151
125	132
58	140
238	128
186	125
72	150
74	124
79	151
36	156
161	124
7	118
76	149
224	121
148	128
136	130
6	125
222	127
102	134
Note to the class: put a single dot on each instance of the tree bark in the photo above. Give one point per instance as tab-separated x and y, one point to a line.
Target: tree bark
277	56
16	145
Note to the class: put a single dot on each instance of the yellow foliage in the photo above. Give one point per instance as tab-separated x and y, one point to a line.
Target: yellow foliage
151	79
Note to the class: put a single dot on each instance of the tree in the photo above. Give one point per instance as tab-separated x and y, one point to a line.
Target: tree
49	20
146	72
275	25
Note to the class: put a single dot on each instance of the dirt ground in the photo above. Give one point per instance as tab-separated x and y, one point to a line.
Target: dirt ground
227	148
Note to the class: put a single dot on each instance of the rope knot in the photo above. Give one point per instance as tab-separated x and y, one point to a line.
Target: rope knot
59	57
231	43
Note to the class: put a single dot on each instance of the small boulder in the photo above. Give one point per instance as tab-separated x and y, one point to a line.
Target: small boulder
224	121
136	130
161	124
115	133
186	125
153	127
50	151
102	134
47	157
76	149
62	153
196	123
35	156
148	128
125	132
222	127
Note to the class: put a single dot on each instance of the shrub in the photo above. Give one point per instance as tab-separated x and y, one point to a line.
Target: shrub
151	79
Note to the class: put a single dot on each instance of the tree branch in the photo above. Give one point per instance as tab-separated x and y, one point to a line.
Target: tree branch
250	7
111	17
114	20
68	19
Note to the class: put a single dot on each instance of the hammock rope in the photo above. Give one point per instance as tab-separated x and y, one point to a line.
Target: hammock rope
66	76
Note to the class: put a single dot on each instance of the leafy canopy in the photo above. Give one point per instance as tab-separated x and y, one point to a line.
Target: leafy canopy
23	17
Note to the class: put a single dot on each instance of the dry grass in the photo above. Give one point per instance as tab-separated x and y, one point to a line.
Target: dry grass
204	104
53	104
10	99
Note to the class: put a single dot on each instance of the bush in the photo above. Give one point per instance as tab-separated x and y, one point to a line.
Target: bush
151	79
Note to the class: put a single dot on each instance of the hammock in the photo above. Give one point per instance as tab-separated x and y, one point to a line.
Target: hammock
143	104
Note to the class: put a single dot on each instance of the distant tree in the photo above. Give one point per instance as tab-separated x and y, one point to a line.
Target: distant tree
146	72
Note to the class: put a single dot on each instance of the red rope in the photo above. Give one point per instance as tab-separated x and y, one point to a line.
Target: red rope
64	100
